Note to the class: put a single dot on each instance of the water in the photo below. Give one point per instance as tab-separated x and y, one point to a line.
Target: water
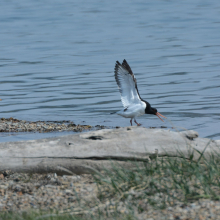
57	60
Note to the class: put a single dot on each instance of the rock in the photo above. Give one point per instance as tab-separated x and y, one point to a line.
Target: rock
1	177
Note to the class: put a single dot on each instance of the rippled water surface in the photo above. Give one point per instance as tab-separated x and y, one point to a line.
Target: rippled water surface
57	61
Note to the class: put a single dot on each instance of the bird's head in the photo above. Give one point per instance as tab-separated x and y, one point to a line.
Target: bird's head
153	111
149	109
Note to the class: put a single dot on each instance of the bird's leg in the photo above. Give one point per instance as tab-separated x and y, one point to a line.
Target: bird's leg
137	123
131	121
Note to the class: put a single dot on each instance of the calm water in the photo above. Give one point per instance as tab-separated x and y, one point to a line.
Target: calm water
57	60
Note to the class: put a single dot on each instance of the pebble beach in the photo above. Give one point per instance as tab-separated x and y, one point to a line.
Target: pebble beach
15	125
79	194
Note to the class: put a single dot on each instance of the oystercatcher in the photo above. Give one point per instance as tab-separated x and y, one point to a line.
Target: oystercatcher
134	105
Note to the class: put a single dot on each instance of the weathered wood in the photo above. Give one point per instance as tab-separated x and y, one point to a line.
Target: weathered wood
59	166
91	151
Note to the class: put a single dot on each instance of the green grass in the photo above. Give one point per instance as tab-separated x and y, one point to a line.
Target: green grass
157	184
163	182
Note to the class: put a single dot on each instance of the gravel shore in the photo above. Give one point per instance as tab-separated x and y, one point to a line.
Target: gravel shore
20	192
79	195
15	125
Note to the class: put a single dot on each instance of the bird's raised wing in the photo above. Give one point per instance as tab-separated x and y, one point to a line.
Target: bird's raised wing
127	84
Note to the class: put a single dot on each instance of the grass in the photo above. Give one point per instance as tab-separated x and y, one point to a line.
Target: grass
163	182
157	184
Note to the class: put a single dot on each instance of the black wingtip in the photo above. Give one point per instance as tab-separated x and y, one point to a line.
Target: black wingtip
124	65
117	63
124	61
127	67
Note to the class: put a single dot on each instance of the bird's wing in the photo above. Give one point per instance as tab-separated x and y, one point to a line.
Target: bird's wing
127	84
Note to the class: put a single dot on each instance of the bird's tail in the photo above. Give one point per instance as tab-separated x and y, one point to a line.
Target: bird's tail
112	113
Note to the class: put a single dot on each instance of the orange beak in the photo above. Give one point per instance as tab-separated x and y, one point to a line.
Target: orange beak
0	100
159	116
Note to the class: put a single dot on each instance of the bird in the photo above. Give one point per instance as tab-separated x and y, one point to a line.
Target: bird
133	104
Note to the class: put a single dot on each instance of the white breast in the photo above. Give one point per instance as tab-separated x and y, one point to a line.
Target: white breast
133	111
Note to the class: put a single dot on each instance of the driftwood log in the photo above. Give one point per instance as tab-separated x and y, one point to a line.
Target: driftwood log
96	150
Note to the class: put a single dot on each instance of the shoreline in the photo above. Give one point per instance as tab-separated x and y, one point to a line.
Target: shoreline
16	125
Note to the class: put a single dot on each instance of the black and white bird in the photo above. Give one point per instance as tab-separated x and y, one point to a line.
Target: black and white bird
134	105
